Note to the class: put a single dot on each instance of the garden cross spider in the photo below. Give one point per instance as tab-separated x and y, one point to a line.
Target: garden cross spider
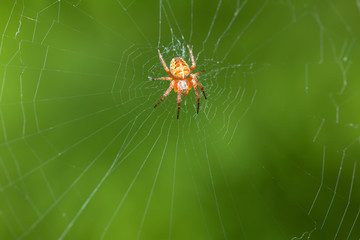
181	79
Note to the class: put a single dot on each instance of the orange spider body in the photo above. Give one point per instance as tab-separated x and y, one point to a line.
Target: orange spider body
181	79
179	68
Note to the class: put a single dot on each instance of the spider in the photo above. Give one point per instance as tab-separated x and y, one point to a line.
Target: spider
181	79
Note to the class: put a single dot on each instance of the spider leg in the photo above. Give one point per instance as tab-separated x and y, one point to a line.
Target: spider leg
178	102
162	78
164	64
198	73
201	87
197	96
166	93
194	80
192	59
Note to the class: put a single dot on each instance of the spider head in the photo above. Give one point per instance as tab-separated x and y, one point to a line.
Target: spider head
183	87
179	68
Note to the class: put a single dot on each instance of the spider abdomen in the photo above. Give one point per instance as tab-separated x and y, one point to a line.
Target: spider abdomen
179	68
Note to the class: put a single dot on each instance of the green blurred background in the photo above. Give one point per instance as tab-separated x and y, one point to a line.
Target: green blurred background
271	155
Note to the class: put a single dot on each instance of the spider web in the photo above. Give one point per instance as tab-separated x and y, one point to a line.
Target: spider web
84	155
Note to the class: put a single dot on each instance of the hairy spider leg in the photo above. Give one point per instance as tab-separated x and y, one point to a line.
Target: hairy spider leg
202	89
162	78
164	64
192	59
178	102
166	93
197	82
198	73
197	95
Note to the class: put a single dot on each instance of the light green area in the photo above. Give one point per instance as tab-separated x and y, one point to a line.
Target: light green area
84	155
